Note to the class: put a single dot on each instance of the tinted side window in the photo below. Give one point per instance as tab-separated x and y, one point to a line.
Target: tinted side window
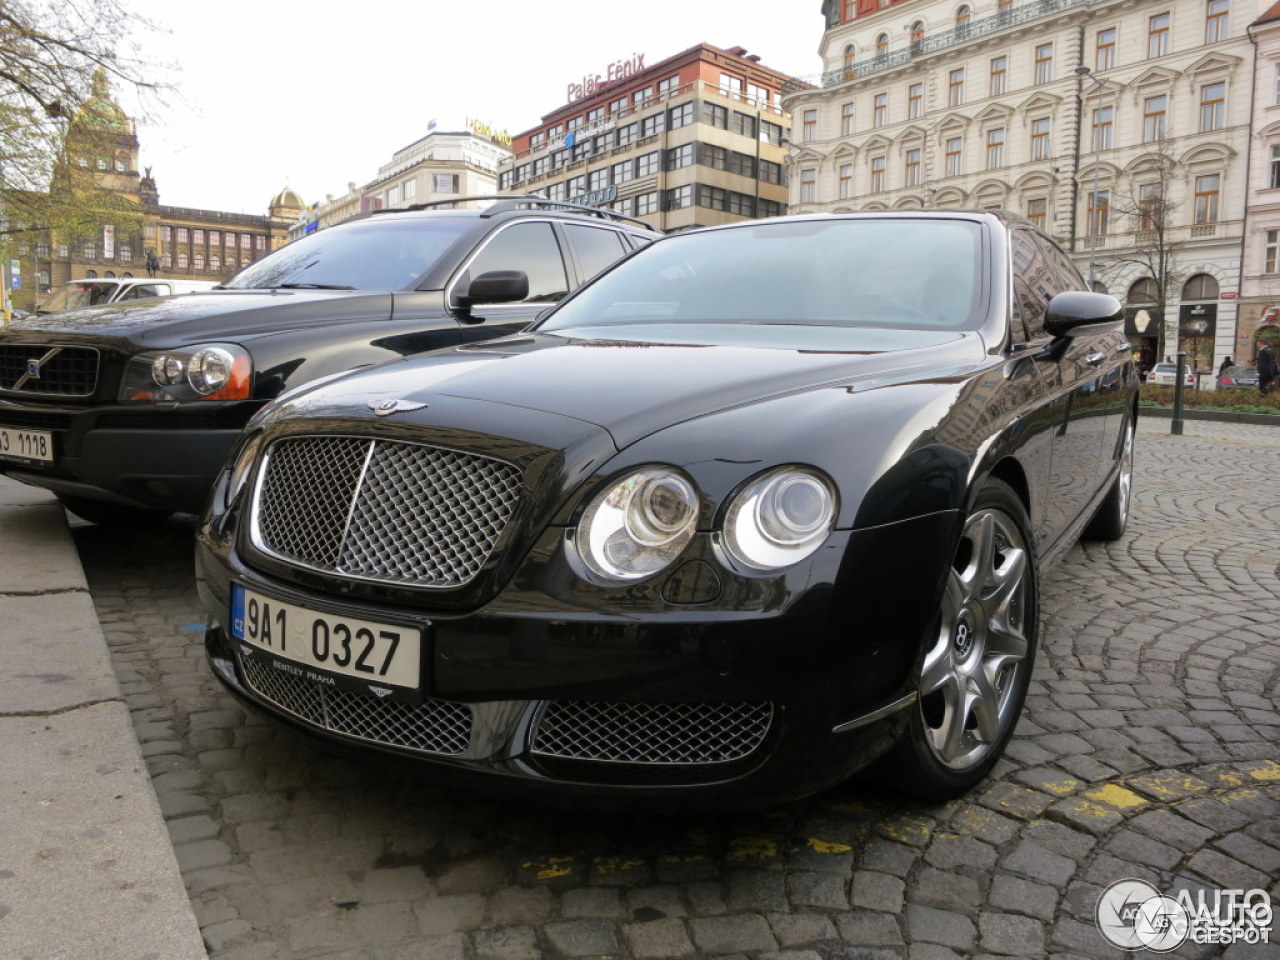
144	290
531	247
1033	286
594	247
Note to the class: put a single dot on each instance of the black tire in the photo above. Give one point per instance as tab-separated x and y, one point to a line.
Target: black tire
1112	518
106	514
974	672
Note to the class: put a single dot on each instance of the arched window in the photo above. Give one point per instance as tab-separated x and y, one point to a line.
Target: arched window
963	16
917	35
882	44
1143	291
90	274
849	54
110	273
1200	287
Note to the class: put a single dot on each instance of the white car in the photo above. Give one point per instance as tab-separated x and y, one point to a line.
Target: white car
1166	374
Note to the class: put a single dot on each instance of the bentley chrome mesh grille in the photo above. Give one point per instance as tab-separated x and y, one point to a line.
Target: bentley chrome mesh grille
651	733
433	726
384	510
39	368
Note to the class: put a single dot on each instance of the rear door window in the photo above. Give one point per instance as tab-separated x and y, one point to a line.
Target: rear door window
594	249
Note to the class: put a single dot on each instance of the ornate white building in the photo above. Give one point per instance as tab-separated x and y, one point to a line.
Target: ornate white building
1260	271
1120	126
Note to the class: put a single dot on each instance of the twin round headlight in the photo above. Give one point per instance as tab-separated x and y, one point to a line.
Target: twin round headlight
643	521
207	372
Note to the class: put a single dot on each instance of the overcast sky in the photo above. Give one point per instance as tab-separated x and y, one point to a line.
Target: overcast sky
272	93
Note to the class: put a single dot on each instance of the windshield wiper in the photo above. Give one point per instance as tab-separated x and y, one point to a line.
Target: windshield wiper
311	286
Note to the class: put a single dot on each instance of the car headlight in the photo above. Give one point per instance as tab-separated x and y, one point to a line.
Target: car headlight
215	371
639	525
779	518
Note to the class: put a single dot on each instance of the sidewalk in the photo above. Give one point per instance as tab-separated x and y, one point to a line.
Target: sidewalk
87	870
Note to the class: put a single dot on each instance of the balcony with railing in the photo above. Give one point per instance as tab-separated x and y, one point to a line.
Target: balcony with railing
945	39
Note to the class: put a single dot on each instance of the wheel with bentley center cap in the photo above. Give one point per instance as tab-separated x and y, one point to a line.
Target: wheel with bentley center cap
975	670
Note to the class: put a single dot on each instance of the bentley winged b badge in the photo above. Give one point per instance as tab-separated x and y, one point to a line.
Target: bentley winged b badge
384	408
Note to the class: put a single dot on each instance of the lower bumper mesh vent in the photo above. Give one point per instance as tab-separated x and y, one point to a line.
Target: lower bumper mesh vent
651	733
434	726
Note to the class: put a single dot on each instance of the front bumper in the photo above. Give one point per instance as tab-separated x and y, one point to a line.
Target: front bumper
156	458
691	701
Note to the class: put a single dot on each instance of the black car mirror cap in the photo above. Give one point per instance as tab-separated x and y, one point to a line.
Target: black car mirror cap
496	286
1075	312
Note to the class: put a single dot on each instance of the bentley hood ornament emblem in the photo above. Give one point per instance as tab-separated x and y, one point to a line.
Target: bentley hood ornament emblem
384	408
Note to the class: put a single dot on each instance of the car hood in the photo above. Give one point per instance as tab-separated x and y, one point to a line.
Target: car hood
210	315
632	388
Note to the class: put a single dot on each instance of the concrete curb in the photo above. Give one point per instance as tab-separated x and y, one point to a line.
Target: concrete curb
87	868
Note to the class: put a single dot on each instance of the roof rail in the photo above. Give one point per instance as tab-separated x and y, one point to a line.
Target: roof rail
503	203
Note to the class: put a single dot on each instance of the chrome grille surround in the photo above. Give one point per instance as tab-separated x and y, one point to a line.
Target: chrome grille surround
433	726
650	733
48	370
382	510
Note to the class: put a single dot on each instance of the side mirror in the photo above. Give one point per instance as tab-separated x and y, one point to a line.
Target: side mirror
1072	311
496	286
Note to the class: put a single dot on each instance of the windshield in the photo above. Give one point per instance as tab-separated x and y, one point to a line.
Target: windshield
78	294
372	254
880	273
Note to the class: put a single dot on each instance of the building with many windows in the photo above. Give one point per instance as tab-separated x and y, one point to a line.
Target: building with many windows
695	140
1260	269
1119	126
135	230
440	166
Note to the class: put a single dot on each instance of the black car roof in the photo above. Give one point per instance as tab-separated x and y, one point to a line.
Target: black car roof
500	205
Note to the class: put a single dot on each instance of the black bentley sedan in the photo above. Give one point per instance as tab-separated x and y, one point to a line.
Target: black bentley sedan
128	410
759	506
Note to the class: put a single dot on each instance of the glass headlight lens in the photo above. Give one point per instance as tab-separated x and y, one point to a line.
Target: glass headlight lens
780	518
216	371
638	525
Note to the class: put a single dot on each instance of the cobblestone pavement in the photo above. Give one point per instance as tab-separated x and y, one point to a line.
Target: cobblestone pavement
1148	750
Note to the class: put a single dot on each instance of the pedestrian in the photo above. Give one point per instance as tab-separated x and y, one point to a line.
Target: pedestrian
1227	364
1268	370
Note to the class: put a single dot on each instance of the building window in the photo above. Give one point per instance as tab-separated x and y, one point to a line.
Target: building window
955	87
1158	35
877	174
1275	166
1003	9
1213	107
999	73
215	262
89	251
743	123
197	236
1105	49
599	179
680	116
715	115
124	252
1103	122
963	16
668	87
849	53
646	203
846	181
652	126
915	101
995	148
808	185
809	127
1271	257
680	197
1041	147
409	189
1154	110
1038	211
182	261
182	234
882	45
444	183
1207	189
770	132
911	169
678	157
1099	212
1044	63
638	98
1150	206
955	156
197	262
771	172
846	120
880	110
917	35
627	133
1216	20
651	163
